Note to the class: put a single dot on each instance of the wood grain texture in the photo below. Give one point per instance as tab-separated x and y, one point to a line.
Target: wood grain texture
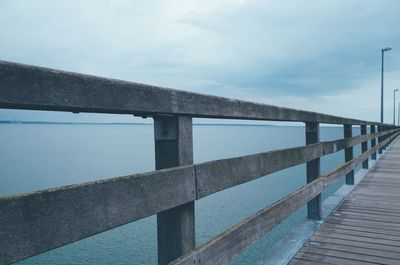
35	222
223	248
176	226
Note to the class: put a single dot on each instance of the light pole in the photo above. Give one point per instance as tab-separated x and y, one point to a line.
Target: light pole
383	51
398	115
394	106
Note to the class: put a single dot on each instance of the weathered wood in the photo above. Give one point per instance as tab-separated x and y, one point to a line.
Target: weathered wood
356	246
31	87
329	230
313	170
366	227
333	175
176	226
350	256
373	141
223	248
348	153
113	202
364	146
221	174
218	175
328	260
380	139
31	223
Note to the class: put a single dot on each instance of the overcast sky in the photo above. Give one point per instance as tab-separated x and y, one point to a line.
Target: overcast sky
315	55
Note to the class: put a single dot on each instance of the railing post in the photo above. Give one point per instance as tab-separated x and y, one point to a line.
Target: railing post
364	146
348	153
373	142
384	128
380	139
313	170
174	147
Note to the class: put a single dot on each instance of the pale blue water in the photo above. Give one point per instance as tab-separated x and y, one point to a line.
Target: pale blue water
40	156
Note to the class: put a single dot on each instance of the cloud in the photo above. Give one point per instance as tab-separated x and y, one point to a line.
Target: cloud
274	51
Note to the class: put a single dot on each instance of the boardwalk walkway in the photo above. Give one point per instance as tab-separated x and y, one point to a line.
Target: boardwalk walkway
365	229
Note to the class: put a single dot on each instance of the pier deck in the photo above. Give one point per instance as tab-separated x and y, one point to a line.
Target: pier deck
365	228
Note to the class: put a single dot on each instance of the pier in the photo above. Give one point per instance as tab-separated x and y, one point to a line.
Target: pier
365	228
39	221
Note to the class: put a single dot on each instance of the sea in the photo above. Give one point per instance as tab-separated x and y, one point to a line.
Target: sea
39	156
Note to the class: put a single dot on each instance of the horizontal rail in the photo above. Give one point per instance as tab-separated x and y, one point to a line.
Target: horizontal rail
221	174
33	223
225	247
36	88
71	213
333	175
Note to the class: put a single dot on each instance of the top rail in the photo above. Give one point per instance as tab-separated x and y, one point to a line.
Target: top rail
37	88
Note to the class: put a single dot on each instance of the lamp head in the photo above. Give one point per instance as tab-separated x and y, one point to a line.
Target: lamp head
386	49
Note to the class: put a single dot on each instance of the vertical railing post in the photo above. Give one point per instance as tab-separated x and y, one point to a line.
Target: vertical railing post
348	153
313	170
373	142
380	139
364	146
384	128
174	147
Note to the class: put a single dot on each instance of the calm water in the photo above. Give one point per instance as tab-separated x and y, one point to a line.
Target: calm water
40	156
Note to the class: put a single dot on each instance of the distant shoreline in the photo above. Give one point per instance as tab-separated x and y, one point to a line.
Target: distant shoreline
142	123
124	123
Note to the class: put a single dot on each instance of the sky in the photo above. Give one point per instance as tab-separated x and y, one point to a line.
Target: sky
322	56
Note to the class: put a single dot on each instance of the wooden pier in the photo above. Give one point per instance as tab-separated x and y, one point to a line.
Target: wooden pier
35	222
365	228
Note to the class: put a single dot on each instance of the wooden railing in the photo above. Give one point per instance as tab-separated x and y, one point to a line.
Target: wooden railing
36	222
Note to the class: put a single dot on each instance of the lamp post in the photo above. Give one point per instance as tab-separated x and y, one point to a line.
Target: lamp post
398	115
394	106
383	51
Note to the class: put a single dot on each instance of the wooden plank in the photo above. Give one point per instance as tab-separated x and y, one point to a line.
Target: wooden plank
354	248
329	230
370	216
362	222
176	226
374	230
305	262
320	236
370	209
223	248
329	259
222	174
351	257
74	212
31	87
